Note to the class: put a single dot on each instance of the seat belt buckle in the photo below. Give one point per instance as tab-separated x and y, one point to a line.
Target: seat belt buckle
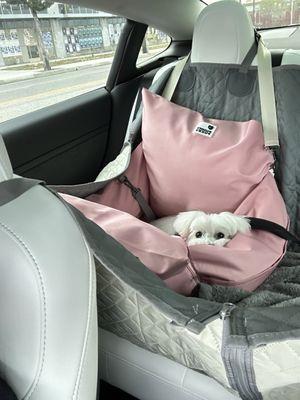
273	150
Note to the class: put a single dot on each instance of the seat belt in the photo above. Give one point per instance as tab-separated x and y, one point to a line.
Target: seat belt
265	84
174	78
266	89
267	95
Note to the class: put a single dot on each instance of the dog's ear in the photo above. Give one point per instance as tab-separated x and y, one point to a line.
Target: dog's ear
183	221
238	222
243	224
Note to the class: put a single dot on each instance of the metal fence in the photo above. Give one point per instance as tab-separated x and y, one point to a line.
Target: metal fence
14	9
22	9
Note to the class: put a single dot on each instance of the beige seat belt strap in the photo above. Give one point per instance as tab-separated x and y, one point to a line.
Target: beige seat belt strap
267	95
174	78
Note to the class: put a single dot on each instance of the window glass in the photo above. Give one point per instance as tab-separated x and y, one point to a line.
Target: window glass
271	13
154	43
66	50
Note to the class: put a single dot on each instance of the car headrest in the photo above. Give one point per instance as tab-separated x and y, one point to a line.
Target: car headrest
6	171
223	34
291	57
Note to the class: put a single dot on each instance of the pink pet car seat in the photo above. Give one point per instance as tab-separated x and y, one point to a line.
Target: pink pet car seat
179	169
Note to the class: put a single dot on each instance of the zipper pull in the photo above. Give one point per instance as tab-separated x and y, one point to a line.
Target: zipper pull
226	310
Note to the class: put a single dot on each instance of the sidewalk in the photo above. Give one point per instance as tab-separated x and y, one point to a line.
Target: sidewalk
10	75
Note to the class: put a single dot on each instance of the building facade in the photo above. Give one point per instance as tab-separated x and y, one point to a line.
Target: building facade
67	31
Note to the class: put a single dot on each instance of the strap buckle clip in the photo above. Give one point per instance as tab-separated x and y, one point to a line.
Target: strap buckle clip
257	36
123	179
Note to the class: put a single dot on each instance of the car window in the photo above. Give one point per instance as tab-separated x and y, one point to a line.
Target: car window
271	13
155	42
51	54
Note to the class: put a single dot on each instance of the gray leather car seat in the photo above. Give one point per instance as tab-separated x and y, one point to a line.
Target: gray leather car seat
48	320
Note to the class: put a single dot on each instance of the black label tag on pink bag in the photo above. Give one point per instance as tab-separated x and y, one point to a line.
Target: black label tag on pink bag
205	129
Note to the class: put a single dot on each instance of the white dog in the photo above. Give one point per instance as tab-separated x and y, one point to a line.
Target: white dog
197	227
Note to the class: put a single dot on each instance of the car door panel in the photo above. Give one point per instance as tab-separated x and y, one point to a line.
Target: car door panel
69	142
61	144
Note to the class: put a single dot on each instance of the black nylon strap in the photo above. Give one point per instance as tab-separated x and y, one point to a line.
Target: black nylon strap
138	196
249	57
251	53
272	227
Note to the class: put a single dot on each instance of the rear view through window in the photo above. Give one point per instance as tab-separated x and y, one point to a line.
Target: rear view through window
271	13
154	43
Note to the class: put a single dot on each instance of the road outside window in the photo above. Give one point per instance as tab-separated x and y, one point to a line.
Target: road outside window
50	52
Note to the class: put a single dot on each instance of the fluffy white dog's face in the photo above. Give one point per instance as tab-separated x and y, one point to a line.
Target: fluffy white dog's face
197	227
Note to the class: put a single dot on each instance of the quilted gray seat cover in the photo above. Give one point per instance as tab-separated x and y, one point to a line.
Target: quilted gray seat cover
195	337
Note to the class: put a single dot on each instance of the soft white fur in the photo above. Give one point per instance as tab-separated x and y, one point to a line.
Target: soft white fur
187	224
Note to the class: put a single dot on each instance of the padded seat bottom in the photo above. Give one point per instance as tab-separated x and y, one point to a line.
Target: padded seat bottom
149	376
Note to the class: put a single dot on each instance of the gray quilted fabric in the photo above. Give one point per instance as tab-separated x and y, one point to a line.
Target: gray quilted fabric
125	311
224	92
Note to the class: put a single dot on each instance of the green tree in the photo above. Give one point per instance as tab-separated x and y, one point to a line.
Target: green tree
36	6
277	9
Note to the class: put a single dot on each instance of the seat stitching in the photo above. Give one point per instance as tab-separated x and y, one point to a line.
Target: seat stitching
23	244
139	318
183	378
82	361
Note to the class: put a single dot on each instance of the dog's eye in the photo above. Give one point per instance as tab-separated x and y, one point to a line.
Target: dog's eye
219	235
198	234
